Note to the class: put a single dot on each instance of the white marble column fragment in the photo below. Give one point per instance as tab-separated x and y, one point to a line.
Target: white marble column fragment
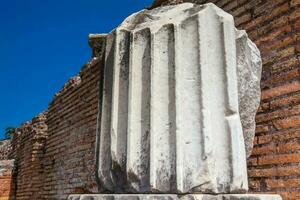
170	119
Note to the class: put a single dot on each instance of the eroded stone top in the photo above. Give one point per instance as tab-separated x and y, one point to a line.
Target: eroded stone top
167	15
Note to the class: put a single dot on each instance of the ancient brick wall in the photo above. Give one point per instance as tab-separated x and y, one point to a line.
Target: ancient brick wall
28	147
69	164
55	152
274	25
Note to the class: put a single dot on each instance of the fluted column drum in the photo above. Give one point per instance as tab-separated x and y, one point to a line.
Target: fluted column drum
170	119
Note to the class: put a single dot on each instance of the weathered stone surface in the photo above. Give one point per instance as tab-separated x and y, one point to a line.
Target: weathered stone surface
249	66
174	197
249	75
97	43
170	118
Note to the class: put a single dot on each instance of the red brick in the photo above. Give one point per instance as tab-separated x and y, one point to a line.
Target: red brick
295	14
266	6
273	183
279	159
269	57
298	48
252	161
275	12
280	90
238	11
289	195
291	122
264	107
295	3
290	146
279	136
275	171
278	32
242	19
285	65
278	44
283	77
270	149
286	112
231	5
297	25
262	128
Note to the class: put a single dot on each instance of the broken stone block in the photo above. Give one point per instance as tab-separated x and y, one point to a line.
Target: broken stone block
170	117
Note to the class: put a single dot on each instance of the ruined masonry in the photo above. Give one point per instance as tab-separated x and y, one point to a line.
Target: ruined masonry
170	120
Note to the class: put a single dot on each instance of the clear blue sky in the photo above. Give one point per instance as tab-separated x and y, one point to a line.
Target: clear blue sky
43	43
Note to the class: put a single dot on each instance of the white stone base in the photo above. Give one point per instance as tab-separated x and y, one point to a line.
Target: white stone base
173	197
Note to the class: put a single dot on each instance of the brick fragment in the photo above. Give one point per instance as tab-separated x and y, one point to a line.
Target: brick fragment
280	136
289	64
275	12
285	101
286	112
270	149
275	172
262	128
295	3
242	19
279	159
290	122
289	195
295	14
275	183
280	90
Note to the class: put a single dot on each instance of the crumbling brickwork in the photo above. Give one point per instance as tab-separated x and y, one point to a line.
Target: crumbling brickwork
6	183
28	147
5	148
6	168
274	25
69	165
55	152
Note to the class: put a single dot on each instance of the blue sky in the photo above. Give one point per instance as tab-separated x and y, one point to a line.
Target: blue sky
43	44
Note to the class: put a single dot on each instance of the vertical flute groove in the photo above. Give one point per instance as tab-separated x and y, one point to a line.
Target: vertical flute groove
189	106
119	114
237	148
207	154
105	137
163	126
139	113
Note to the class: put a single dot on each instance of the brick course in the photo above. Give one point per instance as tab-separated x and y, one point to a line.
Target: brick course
28	146
55	152
69	163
